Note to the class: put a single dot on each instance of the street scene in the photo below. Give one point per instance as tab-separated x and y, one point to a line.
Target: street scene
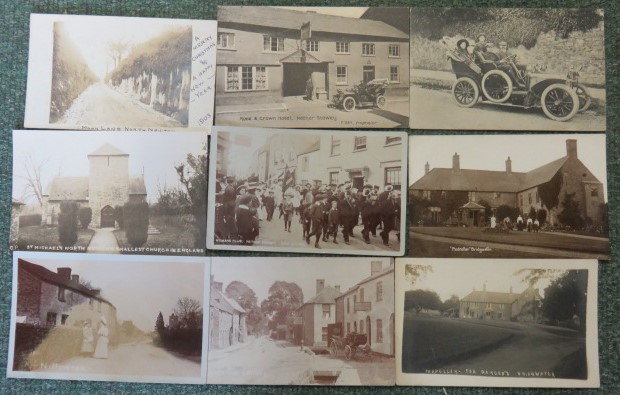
508	69
503	320
317	67
548	200
83	323
307	191
277	325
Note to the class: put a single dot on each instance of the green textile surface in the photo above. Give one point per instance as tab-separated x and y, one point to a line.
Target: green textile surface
14	33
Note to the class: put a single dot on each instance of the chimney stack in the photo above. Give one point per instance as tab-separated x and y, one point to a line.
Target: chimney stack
75	279
218	285
427	168
320	284
375	267
456	163
571	148
65	273
508	166
337	287
484	287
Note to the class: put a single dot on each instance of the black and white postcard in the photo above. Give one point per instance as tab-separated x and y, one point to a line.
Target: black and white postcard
508	196
109	318
109	192
508	69
311	191
497	323
301	321
312	67
120	73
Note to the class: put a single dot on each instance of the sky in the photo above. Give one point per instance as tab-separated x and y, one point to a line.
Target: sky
303	271
489	152
65	154
351	12
138	289
242	151
461	276
92	35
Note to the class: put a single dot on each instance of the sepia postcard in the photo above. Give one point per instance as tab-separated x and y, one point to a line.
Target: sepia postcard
341	190
109	192
312	67
301	321
497	323
109	318
508	69
120	73
508	196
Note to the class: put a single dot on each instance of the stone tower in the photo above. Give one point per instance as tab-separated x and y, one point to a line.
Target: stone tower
108	184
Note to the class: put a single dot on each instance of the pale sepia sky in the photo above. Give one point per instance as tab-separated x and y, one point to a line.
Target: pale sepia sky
351	12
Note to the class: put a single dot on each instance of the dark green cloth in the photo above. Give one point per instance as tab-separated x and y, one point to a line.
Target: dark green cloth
14	30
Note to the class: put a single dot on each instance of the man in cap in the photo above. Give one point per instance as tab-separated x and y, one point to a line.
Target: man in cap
315	214
389	210
366	207
270	204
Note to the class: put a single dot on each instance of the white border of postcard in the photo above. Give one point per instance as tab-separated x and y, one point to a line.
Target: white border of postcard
591	340
29	255
202	80
213	146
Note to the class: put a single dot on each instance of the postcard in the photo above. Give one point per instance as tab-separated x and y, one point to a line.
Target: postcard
109	318
120	73
341	190
301	321
109	192
508	196
497	323
508	69
312	67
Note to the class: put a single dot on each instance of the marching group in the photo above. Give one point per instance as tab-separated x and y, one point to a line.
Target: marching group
324	211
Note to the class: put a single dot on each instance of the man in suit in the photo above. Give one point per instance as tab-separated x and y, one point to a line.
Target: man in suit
315	213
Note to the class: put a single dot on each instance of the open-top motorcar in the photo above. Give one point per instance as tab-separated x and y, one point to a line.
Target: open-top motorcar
501	81
364	94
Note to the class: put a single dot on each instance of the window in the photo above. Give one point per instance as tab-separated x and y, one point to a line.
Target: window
379	291
520	200
361	294
354	326
500	315
369	73
61	294
529	198
226	40
348	307
63	319
497	195
368	49
312	46
335	149
305	163
488	314
342	47
246	78
362	326
273	44
392	177
392	140
471	196
394	74
348	328
333	178
379	331
326	311
51	319
537	197
360	143
488	305
341	75
394	51
324	334
594	192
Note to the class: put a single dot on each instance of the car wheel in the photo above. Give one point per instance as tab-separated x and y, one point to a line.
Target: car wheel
348	352
334	348
585	100
559	102
465	92
348	104
380	102
497	86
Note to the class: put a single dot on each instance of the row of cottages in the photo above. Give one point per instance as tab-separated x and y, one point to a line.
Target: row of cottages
371	158
227	320
49	299
316	314
368	307
520	190
261	55
107	185
506	306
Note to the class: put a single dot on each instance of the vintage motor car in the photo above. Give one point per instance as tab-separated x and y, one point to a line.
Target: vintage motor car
365	94
502	81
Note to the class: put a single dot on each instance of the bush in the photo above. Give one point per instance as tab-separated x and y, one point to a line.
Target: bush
68	223
504	211
542	216
86	215
136	218
118	217
29	220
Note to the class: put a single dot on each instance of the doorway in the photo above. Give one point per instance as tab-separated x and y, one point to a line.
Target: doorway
296	76
369	73
107	217
368	330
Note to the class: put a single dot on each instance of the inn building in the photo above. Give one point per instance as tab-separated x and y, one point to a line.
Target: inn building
506	306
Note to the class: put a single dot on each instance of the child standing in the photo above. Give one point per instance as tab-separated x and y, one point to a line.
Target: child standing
287	211
333	219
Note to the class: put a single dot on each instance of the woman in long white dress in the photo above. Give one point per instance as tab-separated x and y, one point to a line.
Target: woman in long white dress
88	338
101	350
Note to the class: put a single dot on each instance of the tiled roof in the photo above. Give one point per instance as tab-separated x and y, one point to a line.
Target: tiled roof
108	150
224	303
473	205
327	295
68	188
387	270
490	297
311	148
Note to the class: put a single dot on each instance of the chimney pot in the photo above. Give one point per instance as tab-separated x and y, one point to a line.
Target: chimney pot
75	279
571	148
375	267
337	288
320	284
508	165
456	162
427	168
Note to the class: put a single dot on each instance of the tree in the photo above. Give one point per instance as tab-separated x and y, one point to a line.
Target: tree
452	303
415	272
504	211
117	50
193	176
542	216
284	298
136	221
189	312
566	297
549	192
533	276
571	212
160	327
86	215
68	223
34	185
245	296
487	208
422	299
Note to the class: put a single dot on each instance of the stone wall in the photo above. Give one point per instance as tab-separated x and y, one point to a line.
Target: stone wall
108	185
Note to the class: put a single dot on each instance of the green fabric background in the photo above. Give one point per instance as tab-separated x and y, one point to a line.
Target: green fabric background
14	31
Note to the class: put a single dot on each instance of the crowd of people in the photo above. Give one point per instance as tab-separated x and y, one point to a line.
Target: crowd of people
531	224
323	212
